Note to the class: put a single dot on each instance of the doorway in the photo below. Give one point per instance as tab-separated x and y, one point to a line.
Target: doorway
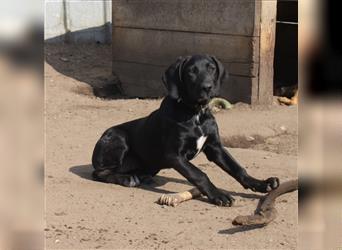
286	49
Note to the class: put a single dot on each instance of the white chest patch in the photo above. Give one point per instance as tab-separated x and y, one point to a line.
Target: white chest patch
200	142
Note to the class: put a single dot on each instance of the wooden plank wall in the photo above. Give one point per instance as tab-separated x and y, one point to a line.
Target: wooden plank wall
148	35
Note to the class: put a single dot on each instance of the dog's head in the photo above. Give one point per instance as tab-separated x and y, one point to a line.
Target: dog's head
195	79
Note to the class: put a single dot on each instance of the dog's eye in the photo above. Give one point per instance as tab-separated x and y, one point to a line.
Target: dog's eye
211	68
193	70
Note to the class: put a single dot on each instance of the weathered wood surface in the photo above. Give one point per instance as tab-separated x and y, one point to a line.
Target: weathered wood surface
267	45
143	80
162	47
233	69
235	17
148	35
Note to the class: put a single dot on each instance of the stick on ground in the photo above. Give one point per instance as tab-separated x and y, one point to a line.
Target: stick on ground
177	198
266	211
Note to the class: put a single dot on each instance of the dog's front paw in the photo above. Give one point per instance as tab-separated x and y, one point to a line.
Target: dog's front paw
264	186
271	183
221	199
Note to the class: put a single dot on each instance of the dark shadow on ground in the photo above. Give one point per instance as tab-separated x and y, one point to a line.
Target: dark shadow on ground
239	229
99	34
85	171
91	63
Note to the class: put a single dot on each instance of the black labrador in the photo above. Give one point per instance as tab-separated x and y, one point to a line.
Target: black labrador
131	153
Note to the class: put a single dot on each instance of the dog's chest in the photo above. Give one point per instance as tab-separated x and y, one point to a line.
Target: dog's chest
195	141
199	143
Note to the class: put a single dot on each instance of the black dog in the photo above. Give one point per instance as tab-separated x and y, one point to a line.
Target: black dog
174	134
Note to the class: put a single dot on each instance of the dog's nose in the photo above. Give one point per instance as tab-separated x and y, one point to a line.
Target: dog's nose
207	88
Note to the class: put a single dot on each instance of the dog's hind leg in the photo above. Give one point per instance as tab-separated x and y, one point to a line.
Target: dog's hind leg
122	175
112	160
110	176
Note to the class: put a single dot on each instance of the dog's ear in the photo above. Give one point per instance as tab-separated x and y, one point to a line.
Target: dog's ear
172	77
221	74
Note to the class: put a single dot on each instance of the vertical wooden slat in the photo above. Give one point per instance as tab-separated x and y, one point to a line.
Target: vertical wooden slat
267	45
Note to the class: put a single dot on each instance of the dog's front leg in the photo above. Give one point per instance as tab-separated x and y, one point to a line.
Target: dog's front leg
196	177
216	153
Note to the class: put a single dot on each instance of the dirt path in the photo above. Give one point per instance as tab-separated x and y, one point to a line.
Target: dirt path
83	214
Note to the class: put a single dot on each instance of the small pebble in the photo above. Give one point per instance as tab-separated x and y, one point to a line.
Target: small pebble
250	138
283	128
64	59
60	213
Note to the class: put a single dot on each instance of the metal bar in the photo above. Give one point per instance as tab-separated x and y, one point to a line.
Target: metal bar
291	23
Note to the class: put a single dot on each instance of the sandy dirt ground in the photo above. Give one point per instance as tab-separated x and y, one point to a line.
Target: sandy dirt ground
84	214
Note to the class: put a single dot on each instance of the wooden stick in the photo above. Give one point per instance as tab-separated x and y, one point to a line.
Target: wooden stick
266	211
177	198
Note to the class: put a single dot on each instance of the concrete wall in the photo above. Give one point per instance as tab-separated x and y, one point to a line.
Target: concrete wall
78	21
148	35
